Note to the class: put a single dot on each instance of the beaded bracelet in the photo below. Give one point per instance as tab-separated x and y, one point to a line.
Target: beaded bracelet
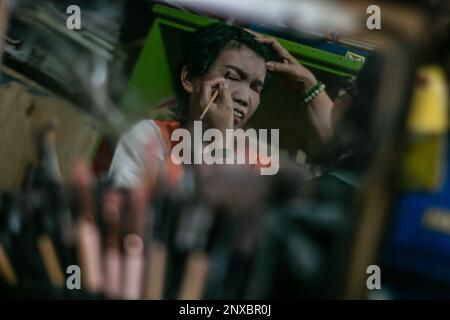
313	92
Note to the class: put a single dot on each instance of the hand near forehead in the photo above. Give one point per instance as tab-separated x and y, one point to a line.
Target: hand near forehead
289	66
319	109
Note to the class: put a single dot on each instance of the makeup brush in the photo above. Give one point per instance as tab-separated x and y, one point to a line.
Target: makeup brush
214	96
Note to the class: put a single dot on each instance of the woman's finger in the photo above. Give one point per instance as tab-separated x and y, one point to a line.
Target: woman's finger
278	67
207	89
256	34
225	96
279	49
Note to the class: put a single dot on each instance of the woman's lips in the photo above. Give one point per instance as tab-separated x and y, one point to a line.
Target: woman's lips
237	116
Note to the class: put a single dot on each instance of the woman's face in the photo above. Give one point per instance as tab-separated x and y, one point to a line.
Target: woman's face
246	72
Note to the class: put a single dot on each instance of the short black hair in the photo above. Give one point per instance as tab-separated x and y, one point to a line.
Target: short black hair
207	43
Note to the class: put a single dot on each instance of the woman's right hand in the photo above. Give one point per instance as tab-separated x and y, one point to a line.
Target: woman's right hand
220	113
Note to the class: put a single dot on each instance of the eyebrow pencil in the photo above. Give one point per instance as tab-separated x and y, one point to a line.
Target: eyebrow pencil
214	96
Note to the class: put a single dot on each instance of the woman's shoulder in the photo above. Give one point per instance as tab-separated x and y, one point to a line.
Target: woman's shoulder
142	131
151	131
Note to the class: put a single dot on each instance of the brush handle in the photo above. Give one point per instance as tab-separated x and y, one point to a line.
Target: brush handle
214	96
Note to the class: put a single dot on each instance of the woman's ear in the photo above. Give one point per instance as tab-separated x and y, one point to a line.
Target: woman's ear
186	82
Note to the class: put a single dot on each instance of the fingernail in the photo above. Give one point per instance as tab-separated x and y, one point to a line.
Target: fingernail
269	65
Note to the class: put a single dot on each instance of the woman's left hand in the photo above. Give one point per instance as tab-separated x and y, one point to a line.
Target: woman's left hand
319	109
290	67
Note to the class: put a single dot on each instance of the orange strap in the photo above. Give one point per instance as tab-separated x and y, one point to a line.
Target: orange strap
173	171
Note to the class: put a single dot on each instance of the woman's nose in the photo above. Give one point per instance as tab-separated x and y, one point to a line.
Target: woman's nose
241	96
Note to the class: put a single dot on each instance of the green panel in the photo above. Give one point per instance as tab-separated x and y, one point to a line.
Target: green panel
337	64
319	58
186	18
151	81
152	78
176	25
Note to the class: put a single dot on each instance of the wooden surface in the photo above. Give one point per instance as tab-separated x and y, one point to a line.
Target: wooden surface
22	113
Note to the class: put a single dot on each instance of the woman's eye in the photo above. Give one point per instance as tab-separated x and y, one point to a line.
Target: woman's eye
257	90
233	76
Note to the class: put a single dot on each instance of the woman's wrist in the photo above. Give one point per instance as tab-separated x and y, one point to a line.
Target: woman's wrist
313	92
308	83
